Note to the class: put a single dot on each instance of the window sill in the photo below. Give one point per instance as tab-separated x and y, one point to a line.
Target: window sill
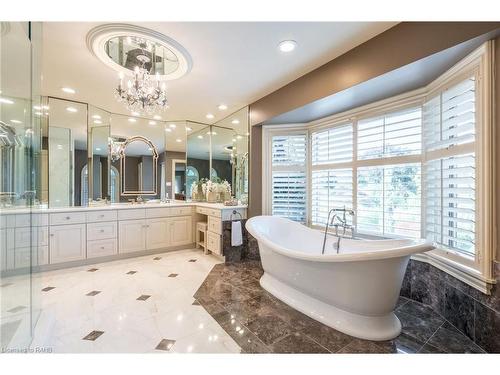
463	273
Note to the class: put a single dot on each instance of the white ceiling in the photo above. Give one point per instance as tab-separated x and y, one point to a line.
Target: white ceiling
233	63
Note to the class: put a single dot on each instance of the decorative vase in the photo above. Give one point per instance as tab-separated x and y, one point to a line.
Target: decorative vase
211	197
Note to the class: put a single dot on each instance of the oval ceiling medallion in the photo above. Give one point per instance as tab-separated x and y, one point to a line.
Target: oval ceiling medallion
124	47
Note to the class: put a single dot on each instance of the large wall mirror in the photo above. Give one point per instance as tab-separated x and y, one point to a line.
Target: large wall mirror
220	153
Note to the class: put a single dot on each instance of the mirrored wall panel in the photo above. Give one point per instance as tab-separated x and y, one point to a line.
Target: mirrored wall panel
198	158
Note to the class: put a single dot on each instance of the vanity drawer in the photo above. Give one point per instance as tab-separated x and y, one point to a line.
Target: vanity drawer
68	218
36	220
132	214
101	248
214	225
181	211
213	243
157	212
98	216
101	231
208	211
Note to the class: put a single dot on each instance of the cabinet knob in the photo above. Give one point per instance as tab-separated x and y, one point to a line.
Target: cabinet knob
67	217
102	247
102	230
52	235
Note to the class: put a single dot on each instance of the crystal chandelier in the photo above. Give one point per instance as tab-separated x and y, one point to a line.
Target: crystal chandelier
142	93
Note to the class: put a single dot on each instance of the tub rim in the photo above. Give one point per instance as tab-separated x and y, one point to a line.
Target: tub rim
418	246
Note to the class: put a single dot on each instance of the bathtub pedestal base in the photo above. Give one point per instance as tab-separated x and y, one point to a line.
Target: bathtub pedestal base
378	328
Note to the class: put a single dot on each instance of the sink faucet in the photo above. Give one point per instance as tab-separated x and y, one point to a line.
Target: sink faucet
342	222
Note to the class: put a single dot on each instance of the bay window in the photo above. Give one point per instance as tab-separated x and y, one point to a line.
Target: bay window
418	165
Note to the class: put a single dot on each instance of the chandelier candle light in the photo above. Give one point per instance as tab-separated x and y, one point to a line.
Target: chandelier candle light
143	94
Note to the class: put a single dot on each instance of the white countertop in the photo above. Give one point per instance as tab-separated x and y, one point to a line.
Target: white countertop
116	206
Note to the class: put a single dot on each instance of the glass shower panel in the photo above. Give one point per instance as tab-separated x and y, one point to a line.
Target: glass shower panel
19	92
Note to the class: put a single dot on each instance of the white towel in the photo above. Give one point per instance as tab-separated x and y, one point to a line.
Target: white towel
236	234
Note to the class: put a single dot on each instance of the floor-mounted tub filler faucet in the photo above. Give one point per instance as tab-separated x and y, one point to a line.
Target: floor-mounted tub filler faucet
341	222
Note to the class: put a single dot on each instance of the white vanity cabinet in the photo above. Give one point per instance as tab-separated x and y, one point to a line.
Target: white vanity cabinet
67	243
132	235
181	230
157	233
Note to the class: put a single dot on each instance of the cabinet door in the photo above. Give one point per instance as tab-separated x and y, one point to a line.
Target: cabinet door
181	230
67	243
158	233
132	236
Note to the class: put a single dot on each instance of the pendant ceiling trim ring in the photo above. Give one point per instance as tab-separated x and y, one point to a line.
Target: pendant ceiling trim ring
100	35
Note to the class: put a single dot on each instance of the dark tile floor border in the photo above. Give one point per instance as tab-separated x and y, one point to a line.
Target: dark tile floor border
260	323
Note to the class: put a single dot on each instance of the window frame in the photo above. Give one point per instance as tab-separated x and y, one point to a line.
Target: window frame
478	273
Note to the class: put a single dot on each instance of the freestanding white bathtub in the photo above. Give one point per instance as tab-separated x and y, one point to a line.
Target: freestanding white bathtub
354	291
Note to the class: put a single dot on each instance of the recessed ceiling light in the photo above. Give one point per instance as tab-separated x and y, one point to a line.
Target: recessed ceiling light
132	119
209	116
38	113
173	126
168	130
188	129
214	133
200	137
97	117
234	139
37	107
45	107
16	121
239	136
156	117
222	107
68	90
248	133
59	147
152	123
97	122
235	121
135	113
178	140
287	45
6	101
98	149
71	109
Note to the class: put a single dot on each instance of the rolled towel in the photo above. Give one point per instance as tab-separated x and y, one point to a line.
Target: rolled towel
236	234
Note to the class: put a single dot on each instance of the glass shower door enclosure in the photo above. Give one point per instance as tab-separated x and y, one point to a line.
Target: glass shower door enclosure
19	142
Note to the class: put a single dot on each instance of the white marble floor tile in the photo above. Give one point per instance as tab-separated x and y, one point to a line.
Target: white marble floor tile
130	325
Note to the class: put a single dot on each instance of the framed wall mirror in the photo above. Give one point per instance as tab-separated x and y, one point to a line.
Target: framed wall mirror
138	167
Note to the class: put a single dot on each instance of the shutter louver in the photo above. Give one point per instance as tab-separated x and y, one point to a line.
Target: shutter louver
289	177
332	145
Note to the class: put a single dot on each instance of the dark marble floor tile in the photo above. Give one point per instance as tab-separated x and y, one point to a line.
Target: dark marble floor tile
48	288
16	309
196	303
418	309
156	258
487	328
131	272
143	297
250	309
358	346
429	349
459	310
269	328
450	340
192	260
6	285
419	328
297	343
165	345
403	344
173	275
93	270
401	301
94	335
93	293
248	342
330	338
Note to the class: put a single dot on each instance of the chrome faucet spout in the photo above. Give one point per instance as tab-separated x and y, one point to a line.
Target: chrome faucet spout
341	221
